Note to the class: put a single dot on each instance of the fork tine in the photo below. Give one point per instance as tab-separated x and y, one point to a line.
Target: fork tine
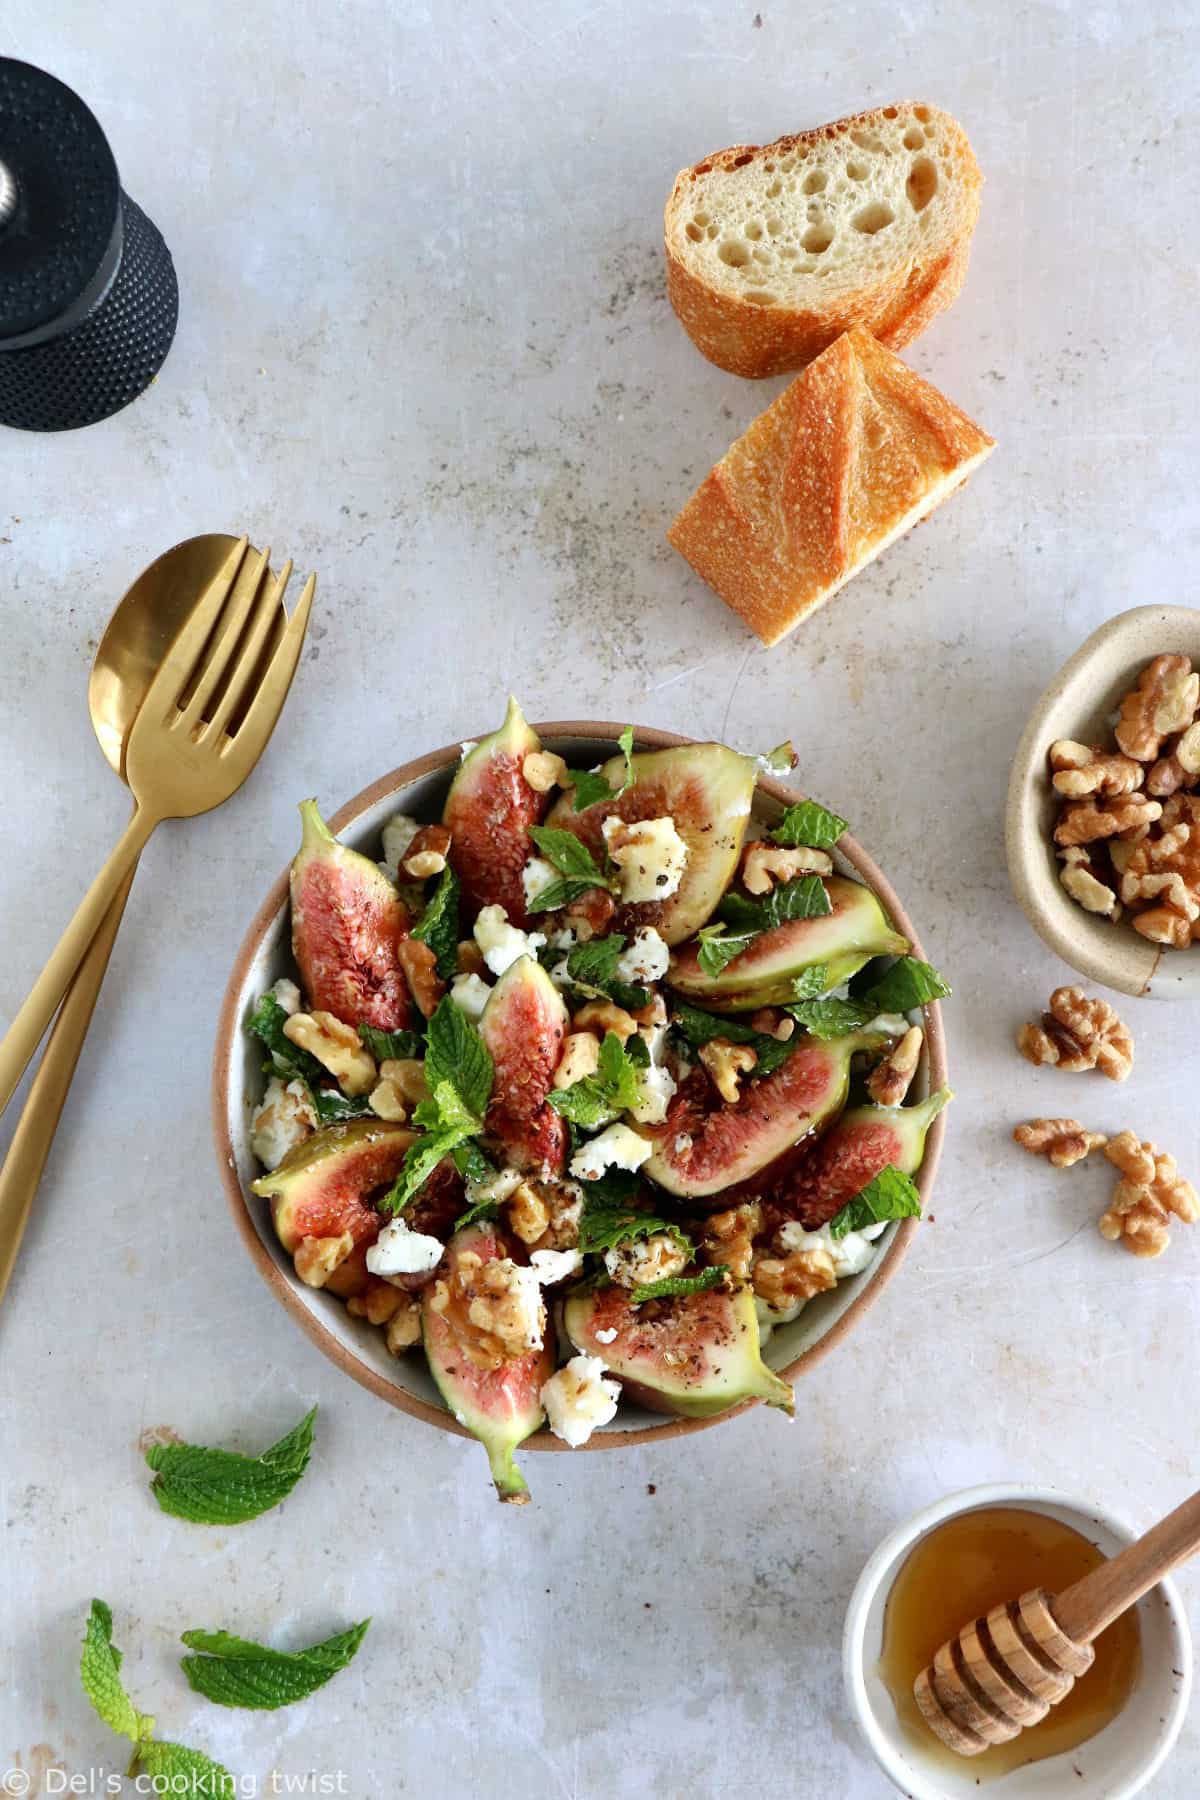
272	690
220	653
266	614
180	660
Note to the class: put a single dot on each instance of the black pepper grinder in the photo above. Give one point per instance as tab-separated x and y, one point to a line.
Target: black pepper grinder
88	296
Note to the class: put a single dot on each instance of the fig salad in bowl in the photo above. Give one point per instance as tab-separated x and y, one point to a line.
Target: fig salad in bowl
560	1095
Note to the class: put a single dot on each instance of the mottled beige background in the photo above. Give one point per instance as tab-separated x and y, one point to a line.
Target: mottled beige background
424	346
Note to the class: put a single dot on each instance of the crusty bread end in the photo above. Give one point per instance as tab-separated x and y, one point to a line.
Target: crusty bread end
852	453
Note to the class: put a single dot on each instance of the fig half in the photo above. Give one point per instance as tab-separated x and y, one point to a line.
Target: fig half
865	1140
523	1026
323	1186
347	923
489	810
695	1355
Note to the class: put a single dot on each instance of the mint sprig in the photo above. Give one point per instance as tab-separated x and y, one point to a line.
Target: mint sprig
590	786
265	1021
592	968
459	1072
907	984
578	869
220	1487
438	924
675	1287
184	1771
456	1053
892	1195
698	1027
604	1226
719	946
811	825
233	1671
596	1099
804	898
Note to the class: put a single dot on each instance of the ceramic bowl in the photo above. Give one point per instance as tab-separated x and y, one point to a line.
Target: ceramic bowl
1118	1762
419	788
1079	703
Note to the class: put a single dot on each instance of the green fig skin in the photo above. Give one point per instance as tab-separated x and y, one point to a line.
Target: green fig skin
488	812
523	1026
712	1338
500	1407
320	1187
707	790
765	974
347	925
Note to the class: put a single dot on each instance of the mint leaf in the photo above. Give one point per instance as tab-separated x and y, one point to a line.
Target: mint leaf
812	982
672	1287
616	1187
265	1021
779	761
604	1225
475	1215
449	1113
908	983
219	1487
811	825
232	1671
892	1195
592	968
719	946
591	787
831	1018
804	898
421	1159
560	893
614	1088
698	1026
438	924
390	1046
456	1053
100	1673
472	1164
568	854
184	1771
771	1052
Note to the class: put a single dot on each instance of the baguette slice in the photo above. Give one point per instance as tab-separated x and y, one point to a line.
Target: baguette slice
854	451
773	252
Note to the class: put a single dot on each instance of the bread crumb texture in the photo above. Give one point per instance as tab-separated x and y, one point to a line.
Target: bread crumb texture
774	251
852	453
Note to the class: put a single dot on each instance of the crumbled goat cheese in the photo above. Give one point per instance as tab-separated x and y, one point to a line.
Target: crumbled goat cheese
656	1089
645	957
283	1118
608	1336
287	994
640	1261
891	1024
398	1250
398	834
650	855
501	943
498	1187
577	1399
615	1148
551	1266
849	1254
470	992
536	877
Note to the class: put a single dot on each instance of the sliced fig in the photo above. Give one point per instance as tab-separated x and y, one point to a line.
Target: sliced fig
765	973
325	1185
705	1145
523	1026
500	1407
839	1165
489	810
347	923
695	1355
707	790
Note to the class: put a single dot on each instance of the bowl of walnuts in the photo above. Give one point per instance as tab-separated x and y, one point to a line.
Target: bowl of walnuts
1102	828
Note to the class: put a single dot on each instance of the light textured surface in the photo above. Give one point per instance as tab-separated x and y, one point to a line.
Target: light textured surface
424	346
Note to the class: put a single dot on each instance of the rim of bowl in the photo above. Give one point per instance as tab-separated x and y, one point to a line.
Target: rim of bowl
902	1537
1112	954
229	1029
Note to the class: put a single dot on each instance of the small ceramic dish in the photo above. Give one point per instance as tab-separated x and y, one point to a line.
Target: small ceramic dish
419	788
1078	704
1115	1764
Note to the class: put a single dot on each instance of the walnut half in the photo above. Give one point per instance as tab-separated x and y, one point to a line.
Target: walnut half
1149	1192
1062	1142
1078	1034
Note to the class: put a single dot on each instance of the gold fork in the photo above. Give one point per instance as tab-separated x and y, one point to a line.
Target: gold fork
200	730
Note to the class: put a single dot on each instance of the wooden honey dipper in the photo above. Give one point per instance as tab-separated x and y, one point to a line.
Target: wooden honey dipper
1005	1672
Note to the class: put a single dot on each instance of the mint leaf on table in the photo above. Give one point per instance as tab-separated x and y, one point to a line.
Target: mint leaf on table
232	1671
184	1771
614	1088
673	1287
100	1673
892	1195
219	1487
719	946
265	1021
390	1046
590	786
438	924
804	898
907	983
810	825
456	1053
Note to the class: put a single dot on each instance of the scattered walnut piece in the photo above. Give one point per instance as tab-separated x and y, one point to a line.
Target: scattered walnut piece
1084	822
1081	769
470	958
404	1327
316	1258
1164	700
1083	881
1150	1190
527	1213
580	1057
600	1016
773	1023
407	1076
591	914
419	963
337	1047
427	853
1165	871
765	864
1180	767
727	1063
728	1237
890	1079
563	1201
543	770
782	1280
1062	1141
500	1303
378	1302
1077	1034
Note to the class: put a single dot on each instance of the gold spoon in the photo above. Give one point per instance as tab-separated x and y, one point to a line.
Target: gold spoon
137	639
